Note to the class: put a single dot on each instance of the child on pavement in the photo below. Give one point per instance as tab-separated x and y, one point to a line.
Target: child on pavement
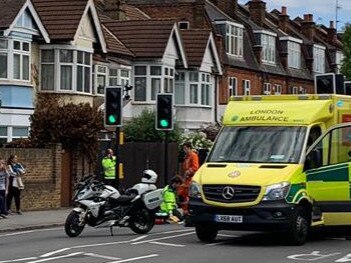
4	184
169	204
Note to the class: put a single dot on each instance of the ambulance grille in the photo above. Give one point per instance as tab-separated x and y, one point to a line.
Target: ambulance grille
231	193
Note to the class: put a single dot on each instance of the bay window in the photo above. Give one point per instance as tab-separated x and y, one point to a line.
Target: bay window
66	70
194	87
119	77
205	89
179	91
15	54
150	80
100	78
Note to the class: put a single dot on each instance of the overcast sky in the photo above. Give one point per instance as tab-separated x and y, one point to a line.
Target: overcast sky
323	10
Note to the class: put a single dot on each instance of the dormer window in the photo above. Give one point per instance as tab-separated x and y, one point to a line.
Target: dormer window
267	40
183	25
339	56
319	59
234	39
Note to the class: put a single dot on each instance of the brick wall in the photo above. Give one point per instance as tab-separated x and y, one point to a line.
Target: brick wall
43	178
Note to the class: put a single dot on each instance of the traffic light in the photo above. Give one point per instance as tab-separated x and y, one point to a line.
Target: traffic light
113	107
164	114
329	83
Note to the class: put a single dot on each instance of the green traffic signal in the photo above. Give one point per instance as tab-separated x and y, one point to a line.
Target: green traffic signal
112	119
164	123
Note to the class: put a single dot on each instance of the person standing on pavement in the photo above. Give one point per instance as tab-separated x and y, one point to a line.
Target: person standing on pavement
16	172
4	184
109	167
189	166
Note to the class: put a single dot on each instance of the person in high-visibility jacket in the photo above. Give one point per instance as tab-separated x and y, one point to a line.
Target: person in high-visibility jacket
169	204
109	166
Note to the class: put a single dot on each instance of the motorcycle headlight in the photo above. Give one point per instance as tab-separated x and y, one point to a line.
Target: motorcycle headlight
276	191
195	190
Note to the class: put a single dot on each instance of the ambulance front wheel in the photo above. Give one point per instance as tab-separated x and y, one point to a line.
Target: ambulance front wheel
206	234
299	227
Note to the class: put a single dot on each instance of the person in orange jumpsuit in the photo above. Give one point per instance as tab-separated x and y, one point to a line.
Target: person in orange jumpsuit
189	167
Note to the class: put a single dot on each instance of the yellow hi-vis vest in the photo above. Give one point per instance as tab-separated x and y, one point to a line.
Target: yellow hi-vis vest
108	166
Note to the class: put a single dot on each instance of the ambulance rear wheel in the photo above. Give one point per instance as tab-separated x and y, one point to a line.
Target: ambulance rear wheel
299	228
206	234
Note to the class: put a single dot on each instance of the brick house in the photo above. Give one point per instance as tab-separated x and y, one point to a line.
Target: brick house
262	52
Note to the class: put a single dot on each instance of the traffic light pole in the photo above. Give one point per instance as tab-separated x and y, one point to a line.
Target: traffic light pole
117	158
166	158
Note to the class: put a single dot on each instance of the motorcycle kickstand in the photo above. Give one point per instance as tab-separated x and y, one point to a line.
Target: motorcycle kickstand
111	231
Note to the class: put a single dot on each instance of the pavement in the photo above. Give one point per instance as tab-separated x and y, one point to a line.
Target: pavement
34	220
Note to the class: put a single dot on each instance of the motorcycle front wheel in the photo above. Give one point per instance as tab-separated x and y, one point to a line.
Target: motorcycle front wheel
73	226
142	221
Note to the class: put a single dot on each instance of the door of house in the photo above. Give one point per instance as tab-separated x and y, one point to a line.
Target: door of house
66	189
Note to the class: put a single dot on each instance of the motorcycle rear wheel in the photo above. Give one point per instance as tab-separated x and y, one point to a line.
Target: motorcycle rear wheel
73	226
142	221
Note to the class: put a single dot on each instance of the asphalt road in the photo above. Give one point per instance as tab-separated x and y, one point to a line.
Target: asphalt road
165	243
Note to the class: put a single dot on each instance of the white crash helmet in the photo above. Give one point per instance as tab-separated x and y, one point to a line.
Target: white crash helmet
149	177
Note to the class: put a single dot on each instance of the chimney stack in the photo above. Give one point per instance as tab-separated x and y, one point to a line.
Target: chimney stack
115	9
308	26
227	6
257	9
332	34
283	19
199	14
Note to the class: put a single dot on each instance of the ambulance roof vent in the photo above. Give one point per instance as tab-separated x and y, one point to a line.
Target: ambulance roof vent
236	98
216	165
256	98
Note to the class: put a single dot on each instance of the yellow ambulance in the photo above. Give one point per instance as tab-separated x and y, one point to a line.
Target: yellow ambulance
281	164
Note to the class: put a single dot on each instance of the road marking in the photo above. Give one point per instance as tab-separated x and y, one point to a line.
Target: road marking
166	244
54	252
100	256
18	260
225	235
217	243
134	259
102	244
138	238
58	257
162	238
172	231
28	232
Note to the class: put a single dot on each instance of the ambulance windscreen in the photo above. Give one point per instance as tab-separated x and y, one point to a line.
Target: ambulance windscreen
258	144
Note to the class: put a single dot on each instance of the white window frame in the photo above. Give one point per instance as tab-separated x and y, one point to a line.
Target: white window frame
73	64
180	88
267	88
119	78
294	55
246	87
339	57
205	89
295	90
167	81
234	39
277	89
232	86
10	53
100	72
319	58
268	43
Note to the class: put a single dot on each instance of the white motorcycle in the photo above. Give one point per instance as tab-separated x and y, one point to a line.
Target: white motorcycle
100	205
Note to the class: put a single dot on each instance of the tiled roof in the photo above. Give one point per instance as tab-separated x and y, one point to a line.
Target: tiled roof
60	17
145	38
9	10
114	45
133	13
195	43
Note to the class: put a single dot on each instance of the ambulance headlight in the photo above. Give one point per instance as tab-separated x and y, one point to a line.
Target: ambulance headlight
276	191
195	190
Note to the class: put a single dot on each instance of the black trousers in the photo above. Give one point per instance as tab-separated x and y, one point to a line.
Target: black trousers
14	193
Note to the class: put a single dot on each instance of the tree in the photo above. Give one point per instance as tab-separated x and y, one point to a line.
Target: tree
346	63
142	129
75	126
